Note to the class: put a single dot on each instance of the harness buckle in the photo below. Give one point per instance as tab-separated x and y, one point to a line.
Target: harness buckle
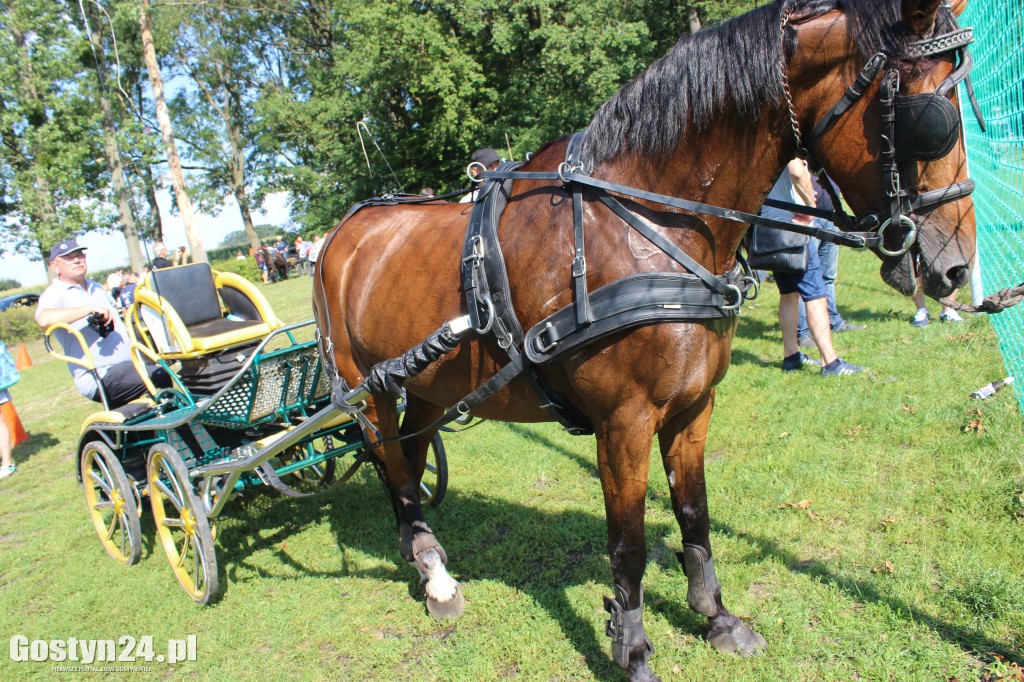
566	168
538	341
579	266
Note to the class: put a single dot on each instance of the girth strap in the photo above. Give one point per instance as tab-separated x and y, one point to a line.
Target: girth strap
645	298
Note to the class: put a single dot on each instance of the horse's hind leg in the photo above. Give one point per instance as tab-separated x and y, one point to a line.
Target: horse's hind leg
419	546
623	456
682	452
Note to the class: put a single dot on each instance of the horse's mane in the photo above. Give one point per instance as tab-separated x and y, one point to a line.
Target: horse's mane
727	72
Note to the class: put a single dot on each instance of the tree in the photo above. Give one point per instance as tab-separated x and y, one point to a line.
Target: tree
215	48
111	144
49	132
167	134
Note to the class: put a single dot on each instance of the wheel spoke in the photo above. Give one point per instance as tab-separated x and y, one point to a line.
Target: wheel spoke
103	504
431	468
113	526
173	523
184	551
427	492
99	462
105	485
124	541
169	494
195	564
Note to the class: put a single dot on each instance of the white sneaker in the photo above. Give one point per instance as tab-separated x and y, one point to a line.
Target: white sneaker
7	471
921	318
950	316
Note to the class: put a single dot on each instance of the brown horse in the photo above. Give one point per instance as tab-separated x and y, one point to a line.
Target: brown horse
713	121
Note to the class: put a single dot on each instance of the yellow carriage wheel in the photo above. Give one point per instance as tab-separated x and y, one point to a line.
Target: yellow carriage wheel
181	524
111	500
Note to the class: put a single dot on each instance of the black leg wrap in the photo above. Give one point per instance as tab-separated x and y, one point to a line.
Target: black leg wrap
703	583
626	628
389	376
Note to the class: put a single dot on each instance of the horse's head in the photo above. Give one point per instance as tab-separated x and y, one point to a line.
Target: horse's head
895	151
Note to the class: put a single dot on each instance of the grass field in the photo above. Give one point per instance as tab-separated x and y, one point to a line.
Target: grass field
870	527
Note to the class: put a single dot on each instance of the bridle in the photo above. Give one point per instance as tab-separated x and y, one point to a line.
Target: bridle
921	127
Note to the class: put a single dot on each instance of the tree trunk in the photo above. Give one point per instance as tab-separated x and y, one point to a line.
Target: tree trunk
164	119
110	145
238	178
694	20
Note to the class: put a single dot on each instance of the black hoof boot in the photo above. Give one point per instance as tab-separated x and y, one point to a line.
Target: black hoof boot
731	635
630	646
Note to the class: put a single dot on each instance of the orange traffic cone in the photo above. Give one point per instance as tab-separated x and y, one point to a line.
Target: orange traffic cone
23	361
10	417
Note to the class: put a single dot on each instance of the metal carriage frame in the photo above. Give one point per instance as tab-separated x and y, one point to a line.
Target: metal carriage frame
272	424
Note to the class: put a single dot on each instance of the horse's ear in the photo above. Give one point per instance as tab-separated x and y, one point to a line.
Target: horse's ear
919	16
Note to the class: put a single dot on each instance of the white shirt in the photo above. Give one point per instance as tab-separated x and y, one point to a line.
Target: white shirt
105	352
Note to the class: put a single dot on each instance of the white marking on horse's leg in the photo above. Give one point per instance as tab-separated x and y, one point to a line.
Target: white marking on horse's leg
438	585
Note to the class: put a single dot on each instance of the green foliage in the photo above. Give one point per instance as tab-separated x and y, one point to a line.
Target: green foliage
238	240
246	268
18	325
7	283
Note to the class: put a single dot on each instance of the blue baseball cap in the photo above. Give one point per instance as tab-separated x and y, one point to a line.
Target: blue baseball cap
64	248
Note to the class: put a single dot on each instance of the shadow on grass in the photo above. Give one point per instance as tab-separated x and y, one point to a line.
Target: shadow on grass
536	552
585	464
37	441
970	640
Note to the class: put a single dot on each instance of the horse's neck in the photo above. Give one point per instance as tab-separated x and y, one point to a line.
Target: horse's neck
730	166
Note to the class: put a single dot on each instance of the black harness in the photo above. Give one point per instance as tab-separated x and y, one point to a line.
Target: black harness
927	126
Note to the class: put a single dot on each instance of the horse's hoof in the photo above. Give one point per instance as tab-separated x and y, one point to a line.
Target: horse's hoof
737	638
641	672
452	608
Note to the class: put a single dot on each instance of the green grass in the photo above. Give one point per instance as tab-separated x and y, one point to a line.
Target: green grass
906	565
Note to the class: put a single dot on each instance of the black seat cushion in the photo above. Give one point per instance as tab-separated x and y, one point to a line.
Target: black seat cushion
190	290
218	326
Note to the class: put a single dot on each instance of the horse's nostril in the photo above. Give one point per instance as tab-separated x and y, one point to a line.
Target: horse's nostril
958	276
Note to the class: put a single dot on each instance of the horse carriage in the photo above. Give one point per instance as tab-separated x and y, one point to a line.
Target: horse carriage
249	409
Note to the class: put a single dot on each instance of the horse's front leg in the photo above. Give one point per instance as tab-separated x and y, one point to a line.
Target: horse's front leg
403	464
682	451
623	456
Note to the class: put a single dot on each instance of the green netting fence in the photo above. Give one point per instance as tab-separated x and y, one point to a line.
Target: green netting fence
996	160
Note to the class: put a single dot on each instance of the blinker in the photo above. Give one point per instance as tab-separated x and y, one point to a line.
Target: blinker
927	127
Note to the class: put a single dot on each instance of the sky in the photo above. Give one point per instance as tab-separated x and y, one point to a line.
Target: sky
109	250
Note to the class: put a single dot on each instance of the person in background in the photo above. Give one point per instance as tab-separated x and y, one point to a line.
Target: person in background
427	192
314	250
127	295
794	185
160	256
182	256
828	257
482	159
7	466
83	304
239	255
262	264
281	246
302	254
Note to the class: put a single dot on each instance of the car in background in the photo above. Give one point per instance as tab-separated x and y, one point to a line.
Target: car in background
18	301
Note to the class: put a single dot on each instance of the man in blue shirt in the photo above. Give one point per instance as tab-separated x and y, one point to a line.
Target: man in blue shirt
72	299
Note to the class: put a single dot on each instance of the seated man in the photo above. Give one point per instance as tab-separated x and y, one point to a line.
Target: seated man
72	299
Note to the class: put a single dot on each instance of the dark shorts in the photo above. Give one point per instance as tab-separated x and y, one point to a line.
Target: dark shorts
808	284
122	383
